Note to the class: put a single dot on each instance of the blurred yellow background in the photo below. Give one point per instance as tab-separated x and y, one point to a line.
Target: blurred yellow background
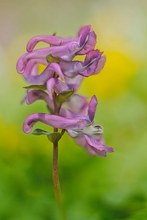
94	188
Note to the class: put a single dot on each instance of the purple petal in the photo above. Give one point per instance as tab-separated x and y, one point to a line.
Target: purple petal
91	64
55	68
81	140
65	52
74	83
52	120
78	104
91	145
98	145
92	107
71	68
78	107
34	95
37	54
83	34
52	40
56	85
87	39
101	64
64	112
31	72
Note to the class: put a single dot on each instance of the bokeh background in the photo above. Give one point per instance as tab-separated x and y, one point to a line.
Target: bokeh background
94	188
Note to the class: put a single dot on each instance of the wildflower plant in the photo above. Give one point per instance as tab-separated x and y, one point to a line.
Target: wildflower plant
57	86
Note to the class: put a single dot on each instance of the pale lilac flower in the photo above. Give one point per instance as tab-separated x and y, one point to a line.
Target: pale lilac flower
80	127
31	72
86	39
82	44
56	85
93	63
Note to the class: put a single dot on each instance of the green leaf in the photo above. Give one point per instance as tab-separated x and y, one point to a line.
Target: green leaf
63	96
38	87
52	136
40	132
52	59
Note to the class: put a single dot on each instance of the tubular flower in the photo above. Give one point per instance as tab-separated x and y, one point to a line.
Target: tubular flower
57	84
79	126
62	51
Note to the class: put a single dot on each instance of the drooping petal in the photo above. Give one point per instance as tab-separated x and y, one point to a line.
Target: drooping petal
91	145
49	39
98	144
81	140
92	107
54	121
34	95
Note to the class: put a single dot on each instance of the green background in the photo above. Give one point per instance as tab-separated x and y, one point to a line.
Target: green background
93	188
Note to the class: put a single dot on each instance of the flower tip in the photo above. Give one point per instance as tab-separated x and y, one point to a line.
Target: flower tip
95	99
26	128
19	66
30	45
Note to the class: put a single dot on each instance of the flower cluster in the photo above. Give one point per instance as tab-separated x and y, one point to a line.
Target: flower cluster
57	84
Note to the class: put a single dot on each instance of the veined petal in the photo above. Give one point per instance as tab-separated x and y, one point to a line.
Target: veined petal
34	95
81	140
71	68
52	120
101	64
56	85
55	68
32	66
87	39
91	145
78	104
37	54
31	72
65	52
98	145
91	63
92	107
49	39
74	83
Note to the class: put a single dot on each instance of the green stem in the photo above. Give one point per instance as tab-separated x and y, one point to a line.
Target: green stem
56	181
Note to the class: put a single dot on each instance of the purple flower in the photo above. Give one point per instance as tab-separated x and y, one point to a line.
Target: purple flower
63	49
57	86
35	95
86	39
60	78
31	72
79	126
93	63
